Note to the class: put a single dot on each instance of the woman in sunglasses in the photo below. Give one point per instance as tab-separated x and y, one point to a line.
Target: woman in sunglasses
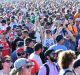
22	66
6	63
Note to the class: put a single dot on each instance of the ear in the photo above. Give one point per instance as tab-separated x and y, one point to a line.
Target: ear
3	63
47	57
22	67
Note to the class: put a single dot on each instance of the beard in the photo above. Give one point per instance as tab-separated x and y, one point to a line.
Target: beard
52	59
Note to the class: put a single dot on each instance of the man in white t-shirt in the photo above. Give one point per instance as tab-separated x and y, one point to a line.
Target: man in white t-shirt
3	25
36	55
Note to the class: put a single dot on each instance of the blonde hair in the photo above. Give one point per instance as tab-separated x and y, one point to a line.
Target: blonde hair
15	72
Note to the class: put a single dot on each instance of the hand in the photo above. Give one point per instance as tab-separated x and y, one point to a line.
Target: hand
59	29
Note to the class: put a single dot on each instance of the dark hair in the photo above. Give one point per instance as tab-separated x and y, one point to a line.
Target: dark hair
65	58
25	32
27	41
48	52
1	66
59	38
28	18
37	46
76	64
8	28
3	21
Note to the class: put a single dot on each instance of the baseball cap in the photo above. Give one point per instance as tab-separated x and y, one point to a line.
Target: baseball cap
19	63
28	40
48	52
20	43
59	38
19	50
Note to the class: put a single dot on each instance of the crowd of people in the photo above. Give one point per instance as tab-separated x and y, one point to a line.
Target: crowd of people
40	37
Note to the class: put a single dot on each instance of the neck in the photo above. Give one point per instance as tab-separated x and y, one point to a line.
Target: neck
50	61
6	70
37	53
59	43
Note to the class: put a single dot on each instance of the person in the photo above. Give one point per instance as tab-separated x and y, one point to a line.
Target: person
77	15
76	66
59	45
6	62
1	47
19	38
72	27
20	44
5	43
48	40
28	24
22	66
3	25
65	62
25	34
68	14
52	68
29	44
20	53
9	34
13	23
36	54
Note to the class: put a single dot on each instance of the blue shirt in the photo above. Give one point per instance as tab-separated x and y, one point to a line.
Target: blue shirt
57	47
14	56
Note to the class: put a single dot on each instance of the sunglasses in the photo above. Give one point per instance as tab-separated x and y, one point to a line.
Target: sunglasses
19	54
29	65
8	61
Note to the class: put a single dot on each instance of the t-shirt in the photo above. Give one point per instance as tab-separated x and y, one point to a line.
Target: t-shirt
3	27
58	47
73	29
6	48
2	73
52	68
48	42
37	58
15	43
29	50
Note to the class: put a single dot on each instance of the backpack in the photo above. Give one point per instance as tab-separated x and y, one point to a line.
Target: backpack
68	71
47	69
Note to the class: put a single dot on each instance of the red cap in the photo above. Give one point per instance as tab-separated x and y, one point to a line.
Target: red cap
19	50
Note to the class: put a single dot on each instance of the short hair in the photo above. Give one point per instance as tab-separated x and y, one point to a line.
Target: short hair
37	46
59	38
28	18
3	21
76	63
65	58
25	32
